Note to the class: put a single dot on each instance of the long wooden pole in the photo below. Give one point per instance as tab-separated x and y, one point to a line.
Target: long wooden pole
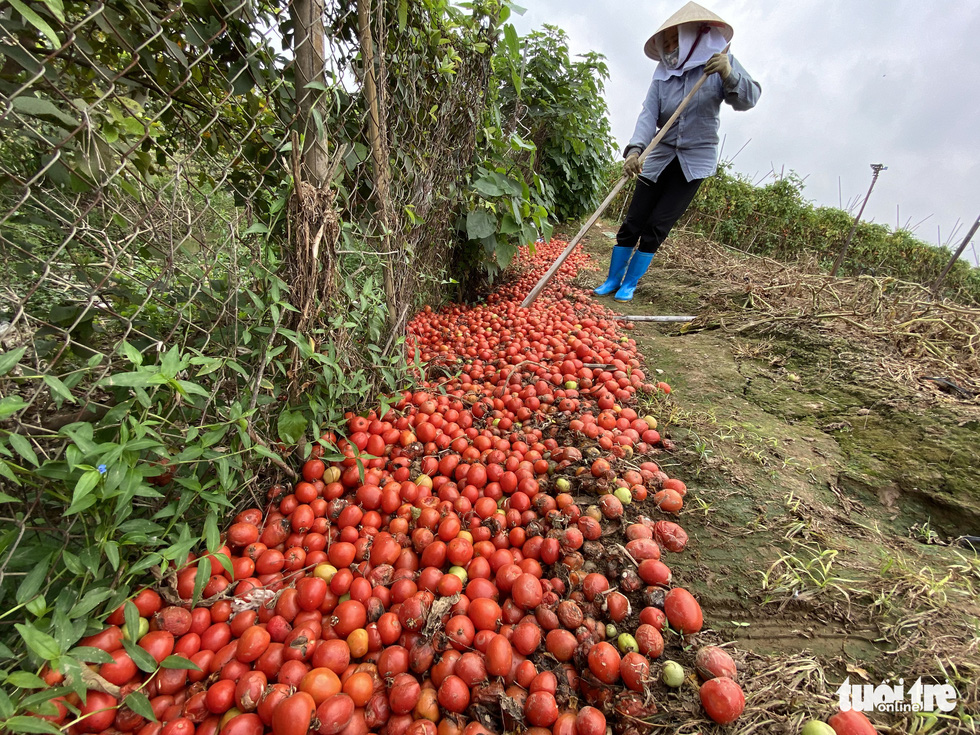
539	287
956	256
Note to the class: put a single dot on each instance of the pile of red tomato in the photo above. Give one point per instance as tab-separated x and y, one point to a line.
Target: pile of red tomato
487	557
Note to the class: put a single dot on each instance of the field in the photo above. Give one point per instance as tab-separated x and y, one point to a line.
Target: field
830	492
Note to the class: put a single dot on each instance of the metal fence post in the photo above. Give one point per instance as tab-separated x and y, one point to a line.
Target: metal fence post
956	256
877	168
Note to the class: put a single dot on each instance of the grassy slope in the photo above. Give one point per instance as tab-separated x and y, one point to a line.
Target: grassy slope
814	482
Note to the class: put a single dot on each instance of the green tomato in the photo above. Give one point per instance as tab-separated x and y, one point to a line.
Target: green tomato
563	485
611	631
459	572
672	674
571	385
144	628
816	727
627	643
624	495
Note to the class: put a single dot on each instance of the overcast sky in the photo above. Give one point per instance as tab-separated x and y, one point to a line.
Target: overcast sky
844	84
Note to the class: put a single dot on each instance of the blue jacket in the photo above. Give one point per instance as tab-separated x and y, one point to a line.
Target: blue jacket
694	137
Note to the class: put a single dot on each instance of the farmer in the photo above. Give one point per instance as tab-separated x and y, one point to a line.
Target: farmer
690	43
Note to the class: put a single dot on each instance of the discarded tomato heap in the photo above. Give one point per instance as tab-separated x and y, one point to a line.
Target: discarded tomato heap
492	569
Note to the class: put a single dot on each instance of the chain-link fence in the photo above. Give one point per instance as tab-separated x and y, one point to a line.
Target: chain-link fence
215	218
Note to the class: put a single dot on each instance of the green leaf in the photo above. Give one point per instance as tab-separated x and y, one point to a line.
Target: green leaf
131	616
57	8
508	226
32	581
212	536
488	189
26	680
42	25
141	657
131	353
201	577
37	606
24	723
10	405
179	662
264	452
91	655
138	379
5	471
291	426
10	358
83	488
59	389
513	44
505	253
111	551
257	229
480	224
186	387
22	446
140	704
41	643
402	15
73	565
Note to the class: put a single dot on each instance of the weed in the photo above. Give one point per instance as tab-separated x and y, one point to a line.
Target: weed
805	575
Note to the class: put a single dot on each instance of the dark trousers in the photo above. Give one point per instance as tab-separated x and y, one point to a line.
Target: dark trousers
655	207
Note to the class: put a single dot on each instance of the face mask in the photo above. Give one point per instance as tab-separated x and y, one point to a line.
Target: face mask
671	58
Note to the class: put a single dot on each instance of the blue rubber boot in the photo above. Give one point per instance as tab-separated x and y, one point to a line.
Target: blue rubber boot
638	266
617	267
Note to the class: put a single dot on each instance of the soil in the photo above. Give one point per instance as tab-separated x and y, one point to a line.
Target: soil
825	501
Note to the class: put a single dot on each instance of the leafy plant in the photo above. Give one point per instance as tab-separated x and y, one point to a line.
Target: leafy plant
556	103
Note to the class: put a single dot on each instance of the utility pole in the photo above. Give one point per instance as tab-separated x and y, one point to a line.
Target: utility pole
876	168
956	256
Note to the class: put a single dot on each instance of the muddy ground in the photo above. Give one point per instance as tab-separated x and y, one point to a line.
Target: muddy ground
825	503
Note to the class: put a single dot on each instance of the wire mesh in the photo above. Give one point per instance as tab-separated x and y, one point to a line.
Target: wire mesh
193	239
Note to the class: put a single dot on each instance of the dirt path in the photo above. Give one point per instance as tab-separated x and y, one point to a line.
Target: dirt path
816	484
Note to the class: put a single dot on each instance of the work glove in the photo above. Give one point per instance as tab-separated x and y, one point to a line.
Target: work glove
719	64
632	165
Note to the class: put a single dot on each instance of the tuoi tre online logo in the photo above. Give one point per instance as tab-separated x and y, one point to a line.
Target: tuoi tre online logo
893	697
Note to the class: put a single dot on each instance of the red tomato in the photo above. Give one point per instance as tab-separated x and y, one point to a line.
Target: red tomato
851	722
335	713
158	643
244	724
683	611
723	700
252	644
454	694
604	662
293	715
99	711
108	640
500	656
121	670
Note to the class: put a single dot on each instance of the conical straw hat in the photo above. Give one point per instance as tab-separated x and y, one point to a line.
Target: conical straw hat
690	13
